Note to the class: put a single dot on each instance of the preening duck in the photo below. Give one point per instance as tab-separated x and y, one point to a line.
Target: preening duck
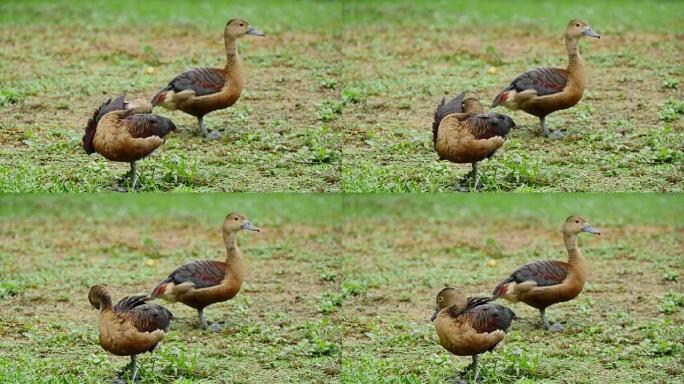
463	133
541	284
201	283
131	327
542	91
469	327
200	91
122	131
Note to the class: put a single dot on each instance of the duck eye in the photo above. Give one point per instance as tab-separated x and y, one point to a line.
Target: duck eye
440	298
577	25
577	221
242	25
236	219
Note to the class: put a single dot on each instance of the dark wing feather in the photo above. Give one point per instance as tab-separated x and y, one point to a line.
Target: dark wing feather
489	317
204	81
146	125
545	273
130	302
545	81
481	129
149	317
202	273
475	301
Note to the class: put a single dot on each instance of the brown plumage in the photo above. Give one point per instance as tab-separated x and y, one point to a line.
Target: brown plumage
121	131
131	327
201	283
468	327
200	91
463	133
542	91
541	284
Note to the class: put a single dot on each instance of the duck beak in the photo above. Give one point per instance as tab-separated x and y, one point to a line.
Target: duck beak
588	228
435	315
252	31
590	32
248	226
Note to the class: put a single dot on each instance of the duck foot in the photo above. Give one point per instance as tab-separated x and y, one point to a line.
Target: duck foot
215	327
555	135
125	189
556	328
213	135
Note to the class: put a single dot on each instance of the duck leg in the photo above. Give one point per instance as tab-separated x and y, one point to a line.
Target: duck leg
476	371
547	133
205	133
476	177
134	175
134	367
203	321
557	327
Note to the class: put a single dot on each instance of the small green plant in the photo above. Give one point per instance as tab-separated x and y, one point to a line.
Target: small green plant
671	302
330	110
670	83
10	96
328	276
670	275
330	302
9	289
329	83
671	110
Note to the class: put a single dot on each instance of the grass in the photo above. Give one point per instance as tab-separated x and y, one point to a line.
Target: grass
625	135
55	247
273	138
626	326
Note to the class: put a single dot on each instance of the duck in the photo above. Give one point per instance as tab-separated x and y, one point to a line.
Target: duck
200	91
541	284
132	326
542	91
125	132
470	326
201	283
463	133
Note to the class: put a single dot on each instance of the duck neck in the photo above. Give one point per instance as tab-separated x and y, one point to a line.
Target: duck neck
105	302
575	62
575	257
233	256
233	66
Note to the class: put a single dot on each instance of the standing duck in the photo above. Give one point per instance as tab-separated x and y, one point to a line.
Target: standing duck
541	284
463	133
201	283
131	327
468	327
199	91
542	91
121	131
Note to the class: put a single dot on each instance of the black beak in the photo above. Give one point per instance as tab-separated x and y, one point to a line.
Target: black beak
434	316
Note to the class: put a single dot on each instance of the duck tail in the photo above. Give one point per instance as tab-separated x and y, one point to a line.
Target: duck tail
160	96
501	289
444	109
160	289
502	96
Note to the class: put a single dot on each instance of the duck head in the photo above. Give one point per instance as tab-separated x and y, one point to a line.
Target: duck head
449	297
237	28
236	222
501	124
575	225
99	294
577	29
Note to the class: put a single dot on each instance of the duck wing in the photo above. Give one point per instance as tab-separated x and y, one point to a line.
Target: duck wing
544	273
546	81
202	273
146	125
203	81
490	317
476	301
146	317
